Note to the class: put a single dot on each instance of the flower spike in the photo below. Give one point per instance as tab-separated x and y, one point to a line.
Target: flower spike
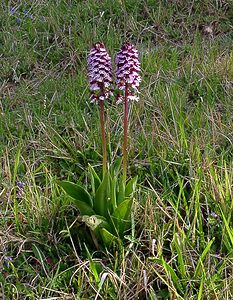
127	79
99	72
100	78
127	73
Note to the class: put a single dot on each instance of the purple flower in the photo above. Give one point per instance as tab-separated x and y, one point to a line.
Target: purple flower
99	73
20	189
127	73
20	184
27	14
13	10
18	21
8	258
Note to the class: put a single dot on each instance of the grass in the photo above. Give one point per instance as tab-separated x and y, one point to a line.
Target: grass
181	137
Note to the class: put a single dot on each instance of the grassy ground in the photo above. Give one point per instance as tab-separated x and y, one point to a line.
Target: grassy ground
181	143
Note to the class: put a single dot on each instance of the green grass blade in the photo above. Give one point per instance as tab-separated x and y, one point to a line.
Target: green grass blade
202	258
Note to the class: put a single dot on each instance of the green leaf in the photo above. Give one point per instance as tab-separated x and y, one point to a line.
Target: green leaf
122	216
200	292
95	180
228	238
177	248
80	197
107	237
121	190
101	201
201	259
116	167
40	257
113	192
84	208
77	192
175	279
94	266
131	186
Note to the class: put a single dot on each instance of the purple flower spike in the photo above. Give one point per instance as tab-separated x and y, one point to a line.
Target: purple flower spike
99	73
127	73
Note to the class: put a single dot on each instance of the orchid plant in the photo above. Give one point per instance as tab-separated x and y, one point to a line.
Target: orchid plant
107	209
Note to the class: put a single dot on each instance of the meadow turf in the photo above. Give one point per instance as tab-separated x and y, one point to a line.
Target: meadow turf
181	147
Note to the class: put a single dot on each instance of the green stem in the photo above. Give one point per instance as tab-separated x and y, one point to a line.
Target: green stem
102	125
125	143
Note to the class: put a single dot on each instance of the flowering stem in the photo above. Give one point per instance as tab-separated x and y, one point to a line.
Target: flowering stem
125	143
102	125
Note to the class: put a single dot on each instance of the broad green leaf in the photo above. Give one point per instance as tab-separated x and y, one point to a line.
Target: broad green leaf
121	190
113	192
84	208
76	191
116	167
131	186
95	180
123	211
101	201
79	196
122	216
107	237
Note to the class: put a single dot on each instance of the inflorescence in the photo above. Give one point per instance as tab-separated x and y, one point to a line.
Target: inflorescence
127	73
100	73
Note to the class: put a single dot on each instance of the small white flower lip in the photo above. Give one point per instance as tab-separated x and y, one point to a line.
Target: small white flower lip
133	98
94	87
